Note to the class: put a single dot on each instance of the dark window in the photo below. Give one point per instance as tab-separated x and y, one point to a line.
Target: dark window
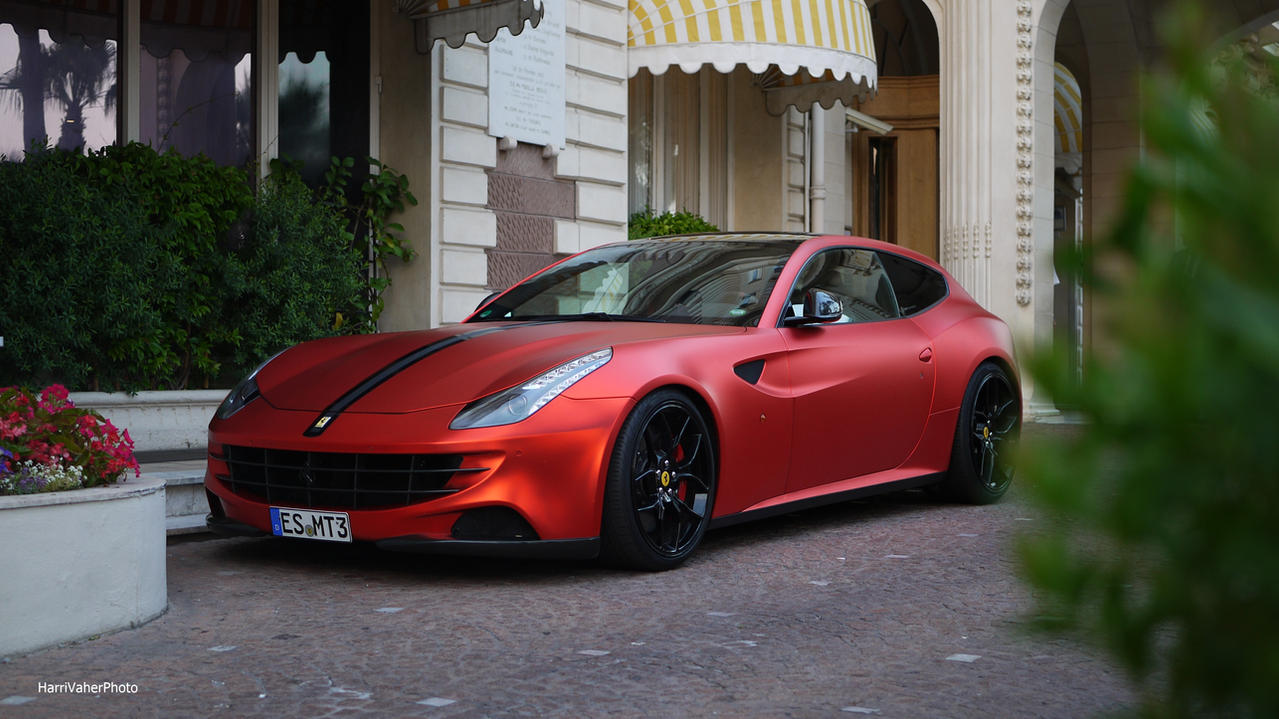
57	76
324	86
917	287
883	179
195	75
855	277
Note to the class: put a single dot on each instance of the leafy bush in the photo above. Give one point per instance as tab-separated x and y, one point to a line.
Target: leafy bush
382	194
1165	507
126	269
647	224
79	265
297	275
190	203
47	444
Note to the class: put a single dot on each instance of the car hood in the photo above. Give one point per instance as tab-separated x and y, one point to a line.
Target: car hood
412	371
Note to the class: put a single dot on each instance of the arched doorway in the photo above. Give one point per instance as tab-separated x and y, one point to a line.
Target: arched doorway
1068	214
894	174
1100	49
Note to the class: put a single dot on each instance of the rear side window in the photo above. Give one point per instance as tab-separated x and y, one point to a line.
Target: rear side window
917	287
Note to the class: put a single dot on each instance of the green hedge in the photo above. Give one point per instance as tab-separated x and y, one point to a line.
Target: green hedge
646	224
125	269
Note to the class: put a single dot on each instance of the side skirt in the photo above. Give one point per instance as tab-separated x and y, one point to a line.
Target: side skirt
825	499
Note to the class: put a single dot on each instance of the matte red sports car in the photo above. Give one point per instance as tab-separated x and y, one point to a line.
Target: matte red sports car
625	400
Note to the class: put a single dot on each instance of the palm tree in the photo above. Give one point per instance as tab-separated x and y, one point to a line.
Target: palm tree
26	83
72	74
80	76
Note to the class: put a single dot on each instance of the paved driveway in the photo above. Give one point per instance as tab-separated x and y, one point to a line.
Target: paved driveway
894	607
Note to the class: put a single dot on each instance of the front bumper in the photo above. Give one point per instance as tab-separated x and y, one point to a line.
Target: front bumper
549	470
586	548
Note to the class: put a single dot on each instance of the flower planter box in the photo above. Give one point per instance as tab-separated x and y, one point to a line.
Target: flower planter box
80	563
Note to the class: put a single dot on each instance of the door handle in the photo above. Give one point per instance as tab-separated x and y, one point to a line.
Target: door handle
926	354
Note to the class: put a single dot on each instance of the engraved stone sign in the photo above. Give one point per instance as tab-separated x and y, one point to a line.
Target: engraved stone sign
526	81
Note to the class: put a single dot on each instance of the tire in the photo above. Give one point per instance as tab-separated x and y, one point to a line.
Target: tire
661	484
986	435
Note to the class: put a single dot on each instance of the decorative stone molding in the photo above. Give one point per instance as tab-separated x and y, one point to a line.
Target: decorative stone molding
1025	152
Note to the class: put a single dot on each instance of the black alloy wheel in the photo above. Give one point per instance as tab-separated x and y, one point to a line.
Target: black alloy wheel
981	462
661	484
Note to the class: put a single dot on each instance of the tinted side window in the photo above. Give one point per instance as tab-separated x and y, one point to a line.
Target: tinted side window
917	287
855	277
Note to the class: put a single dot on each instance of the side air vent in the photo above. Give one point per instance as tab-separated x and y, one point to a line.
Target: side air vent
750	371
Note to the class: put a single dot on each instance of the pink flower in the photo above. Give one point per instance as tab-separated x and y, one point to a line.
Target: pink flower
47	428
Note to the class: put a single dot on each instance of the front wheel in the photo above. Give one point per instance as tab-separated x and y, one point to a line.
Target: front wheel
981	460
661	484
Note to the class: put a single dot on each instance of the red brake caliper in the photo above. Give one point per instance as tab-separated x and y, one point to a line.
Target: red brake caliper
682	492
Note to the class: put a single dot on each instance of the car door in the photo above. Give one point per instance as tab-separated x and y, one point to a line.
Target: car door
862	385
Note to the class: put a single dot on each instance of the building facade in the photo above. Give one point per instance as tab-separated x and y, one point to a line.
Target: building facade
984	133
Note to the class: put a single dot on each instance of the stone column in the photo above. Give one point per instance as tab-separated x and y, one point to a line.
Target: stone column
987	155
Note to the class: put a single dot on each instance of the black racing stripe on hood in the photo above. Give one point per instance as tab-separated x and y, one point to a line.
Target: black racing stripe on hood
331	413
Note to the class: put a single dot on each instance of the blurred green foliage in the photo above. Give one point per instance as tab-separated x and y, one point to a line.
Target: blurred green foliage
1162	543
647	224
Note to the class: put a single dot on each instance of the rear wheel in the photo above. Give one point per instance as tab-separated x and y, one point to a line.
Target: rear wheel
661	484
981	460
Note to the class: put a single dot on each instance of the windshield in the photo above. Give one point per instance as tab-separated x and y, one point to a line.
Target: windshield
713	282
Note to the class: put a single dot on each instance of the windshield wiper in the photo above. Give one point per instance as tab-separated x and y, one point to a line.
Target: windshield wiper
589	317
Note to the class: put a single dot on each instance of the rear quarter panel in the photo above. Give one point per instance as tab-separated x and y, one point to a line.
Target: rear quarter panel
964	335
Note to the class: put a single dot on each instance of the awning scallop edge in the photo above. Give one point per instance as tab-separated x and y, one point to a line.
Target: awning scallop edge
452	20
802	51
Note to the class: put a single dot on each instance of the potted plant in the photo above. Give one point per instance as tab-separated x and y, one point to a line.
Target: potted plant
47	444
84	550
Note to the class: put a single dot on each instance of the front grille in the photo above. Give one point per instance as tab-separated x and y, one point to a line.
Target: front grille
339	480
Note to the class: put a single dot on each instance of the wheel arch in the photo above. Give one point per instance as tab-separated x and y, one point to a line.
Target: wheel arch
961	349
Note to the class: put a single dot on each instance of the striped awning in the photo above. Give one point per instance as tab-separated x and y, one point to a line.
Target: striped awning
452	20
803	51
1068	114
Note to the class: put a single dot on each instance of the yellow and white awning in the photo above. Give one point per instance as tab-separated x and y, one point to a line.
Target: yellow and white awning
453	20
804	51
1068	113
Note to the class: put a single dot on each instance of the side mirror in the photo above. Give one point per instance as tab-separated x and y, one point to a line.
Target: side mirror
820	307
486	300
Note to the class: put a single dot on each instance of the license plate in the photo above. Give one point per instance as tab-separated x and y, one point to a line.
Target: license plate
308	524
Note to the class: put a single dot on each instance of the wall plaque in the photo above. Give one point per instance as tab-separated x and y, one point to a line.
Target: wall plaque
526	81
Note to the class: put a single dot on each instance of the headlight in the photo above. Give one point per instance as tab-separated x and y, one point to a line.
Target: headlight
521	401
244	393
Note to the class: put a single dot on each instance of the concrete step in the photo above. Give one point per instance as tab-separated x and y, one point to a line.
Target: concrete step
185	504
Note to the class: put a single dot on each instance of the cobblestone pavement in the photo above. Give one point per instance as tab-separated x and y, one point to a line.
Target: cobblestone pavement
893	607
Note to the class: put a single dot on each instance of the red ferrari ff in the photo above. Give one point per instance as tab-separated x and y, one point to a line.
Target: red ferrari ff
626	399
